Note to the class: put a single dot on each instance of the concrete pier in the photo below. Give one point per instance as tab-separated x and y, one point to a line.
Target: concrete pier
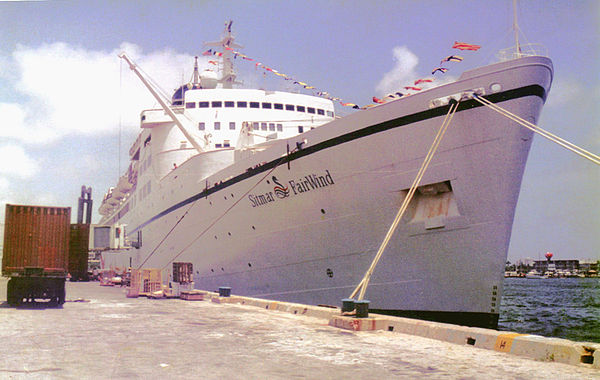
107	335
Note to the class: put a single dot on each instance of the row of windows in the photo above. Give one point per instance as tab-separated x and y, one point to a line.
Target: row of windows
145	164
263	126
264	105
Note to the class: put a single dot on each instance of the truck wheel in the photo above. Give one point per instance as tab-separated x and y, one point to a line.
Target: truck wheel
61	293
11	296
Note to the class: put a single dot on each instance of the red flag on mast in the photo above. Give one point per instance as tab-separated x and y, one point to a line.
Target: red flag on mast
465	46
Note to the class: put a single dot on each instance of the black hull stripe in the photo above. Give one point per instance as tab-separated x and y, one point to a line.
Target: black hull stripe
532	90
463	318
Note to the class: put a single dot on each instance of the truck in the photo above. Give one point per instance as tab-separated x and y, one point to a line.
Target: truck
36	253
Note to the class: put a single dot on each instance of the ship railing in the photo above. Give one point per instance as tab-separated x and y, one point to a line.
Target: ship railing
525	50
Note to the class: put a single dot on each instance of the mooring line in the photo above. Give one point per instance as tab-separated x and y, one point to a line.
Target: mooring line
362	286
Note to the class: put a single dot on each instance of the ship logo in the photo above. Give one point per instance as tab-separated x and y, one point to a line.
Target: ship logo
280	191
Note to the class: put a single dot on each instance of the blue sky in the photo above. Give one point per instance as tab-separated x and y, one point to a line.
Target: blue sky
64	95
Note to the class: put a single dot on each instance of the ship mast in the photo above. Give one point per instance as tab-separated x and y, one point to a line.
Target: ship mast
516	28
227	44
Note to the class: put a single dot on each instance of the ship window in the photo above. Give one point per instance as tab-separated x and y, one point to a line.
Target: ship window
320	111
190	105
278	106
203	105
310	110
266	105
263	126
242	104
218	146
280	127
229	104
217	104
289	107
271	126
232	125
255	126
254	105
300	129
300	108
201	125
217	125
226	144
330	113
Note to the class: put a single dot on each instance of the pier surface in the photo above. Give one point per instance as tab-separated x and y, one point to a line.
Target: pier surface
110	336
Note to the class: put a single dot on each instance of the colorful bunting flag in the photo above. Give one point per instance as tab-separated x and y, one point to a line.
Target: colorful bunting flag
465	46
413	88
452	58
440	69
286	77
419	81
376	100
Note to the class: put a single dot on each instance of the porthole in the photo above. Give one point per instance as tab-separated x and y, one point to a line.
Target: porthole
496	87
254	228
322	211
250	265
329	273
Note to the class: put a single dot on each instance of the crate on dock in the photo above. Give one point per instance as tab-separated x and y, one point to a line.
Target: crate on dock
183	273
151	281
133	290
192	295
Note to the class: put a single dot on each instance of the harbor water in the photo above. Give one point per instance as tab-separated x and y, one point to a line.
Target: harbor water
566	308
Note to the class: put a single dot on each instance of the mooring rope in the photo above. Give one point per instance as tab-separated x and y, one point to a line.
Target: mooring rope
362	286
552	137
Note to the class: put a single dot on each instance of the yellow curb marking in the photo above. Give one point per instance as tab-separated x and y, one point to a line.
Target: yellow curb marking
504	342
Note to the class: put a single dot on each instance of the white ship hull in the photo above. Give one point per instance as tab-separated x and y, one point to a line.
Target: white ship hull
344	188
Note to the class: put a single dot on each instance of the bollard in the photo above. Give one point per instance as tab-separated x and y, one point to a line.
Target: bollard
347	305
224	291
362	308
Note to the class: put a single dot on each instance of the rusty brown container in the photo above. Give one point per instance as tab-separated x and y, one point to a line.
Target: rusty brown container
79	241
36	241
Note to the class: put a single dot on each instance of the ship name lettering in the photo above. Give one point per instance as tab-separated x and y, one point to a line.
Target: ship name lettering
261	199
311	182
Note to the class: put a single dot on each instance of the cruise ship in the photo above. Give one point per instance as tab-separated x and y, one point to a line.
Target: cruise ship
274	195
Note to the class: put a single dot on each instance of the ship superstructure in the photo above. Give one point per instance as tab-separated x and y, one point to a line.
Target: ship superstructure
269	193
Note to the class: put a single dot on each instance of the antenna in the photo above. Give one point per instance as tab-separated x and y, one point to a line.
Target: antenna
516	28
227	44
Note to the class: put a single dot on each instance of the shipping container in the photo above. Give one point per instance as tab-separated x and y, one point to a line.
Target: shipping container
36	252
79	252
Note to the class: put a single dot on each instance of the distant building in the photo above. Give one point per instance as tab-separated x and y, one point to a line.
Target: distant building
588	266
559	265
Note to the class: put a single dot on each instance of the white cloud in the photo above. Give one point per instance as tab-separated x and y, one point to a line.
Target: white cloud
15	162
564	91
404	73
71	90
